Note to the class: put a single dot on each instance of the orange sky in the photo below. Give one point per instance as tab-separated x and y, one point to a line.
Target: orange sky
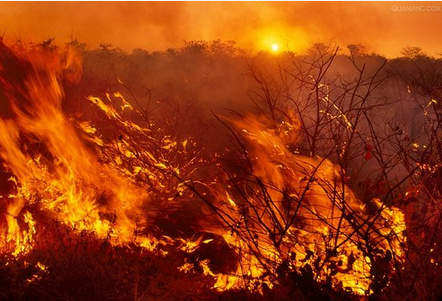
384	27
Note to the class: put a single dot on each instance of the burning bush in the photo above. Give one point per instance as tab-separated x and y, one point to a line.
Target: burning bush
111	187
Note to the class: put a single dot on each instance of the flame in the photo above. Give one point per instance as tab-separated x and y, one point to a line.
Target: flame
298	212
65	179
280	213
17	239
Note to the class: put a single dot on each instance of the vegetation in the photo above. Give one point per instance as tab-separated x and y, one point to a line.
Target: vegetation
292	174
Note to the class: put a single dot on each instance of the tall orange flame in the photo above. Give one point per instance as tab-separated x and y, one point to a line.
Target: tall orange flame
64	176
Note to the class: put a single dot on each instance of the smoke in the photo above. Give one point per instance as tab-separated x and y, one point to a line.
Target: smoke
157	26
175	92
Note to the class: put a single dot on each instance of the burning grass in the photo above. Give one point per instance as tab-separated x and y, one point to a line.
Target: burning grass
109	205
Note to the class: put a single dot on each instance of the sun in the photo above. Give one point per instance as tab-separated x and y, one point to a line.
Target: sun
275	47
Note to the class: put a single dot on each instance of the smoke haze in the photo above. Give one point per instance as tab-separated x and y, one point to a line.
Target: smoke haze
384	27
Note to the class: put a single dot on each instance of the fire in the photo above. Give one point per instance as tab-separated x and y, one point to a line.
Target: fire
65	178
298	214
17	239
280	212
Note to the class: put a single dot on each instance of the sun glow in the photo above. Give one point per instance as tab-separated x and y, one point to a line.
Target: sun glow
275	47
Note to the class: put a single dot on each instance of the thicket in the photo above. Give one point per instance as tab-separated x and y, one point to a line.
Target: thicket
377	120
